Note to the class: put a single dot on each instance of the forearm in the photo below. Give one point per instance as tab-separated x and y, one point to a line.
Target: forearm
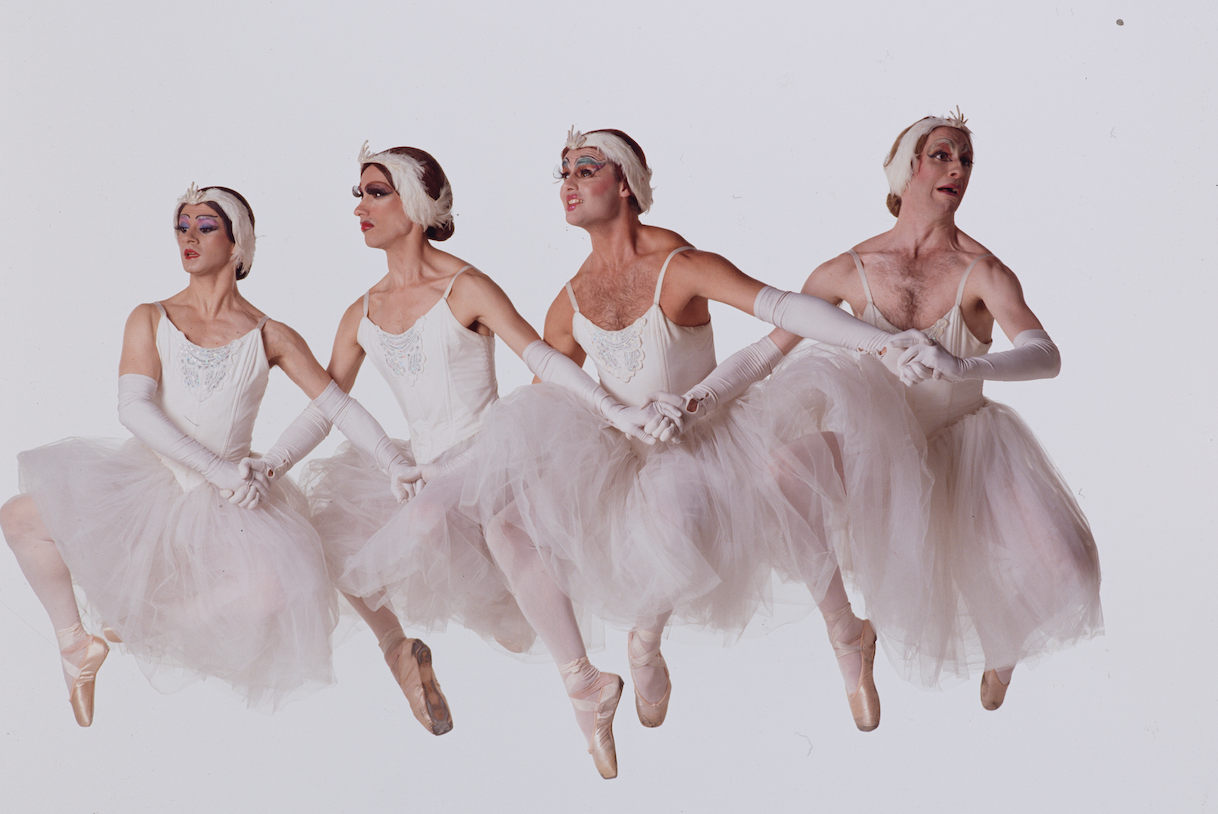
1035	356
734	375
813	318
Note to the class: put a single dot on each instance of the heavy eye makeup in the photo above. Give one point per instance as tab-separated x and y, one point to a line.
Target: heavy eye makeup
376	190
585	167
206	224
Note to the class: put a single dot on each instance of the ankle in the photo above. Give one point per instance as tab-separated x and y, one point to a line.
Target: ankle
843	626
580	678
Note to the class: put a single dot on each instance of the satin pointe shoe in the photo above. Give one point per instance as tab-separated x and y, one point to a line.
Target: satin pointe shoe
993	691
110	635
650	714
410	661
603	702
865	700
84	678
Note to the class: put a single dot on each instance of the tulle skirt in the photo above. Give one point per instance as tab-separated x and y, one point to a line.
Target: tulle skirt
700	528
195	586
1016	572
425	558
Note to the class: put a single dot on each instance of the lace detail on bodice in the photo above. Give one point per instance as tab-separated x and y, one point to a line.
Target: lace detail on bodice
619	353
404	352
203	369
938	331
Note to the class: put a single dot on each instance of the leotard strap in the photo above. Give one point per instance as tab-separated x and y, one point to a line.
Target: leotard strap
261	322
571	295
366	293
664	270
448	290
964	279
161	308
858	264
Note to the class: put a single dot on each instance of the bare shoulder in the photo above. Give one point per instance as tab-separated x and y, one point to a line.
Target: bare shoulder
146	314
279	338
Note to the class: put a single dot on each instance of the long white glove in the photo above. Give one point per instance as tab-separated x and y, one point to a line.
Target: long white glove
1033	357
732	377
813	318
647	424
367	435
300	438
139	412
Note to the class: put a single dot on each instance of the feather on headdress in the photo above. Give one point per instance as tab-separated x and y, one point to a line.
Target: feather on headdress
900	166
238	215
638	175
407	176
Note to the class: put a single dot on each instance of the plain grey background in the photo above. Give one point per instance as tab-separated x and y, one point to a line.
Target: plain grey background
766	125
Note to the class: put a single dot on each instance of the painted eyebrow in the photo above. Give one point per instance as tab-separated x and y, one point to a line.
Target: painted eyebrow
587	159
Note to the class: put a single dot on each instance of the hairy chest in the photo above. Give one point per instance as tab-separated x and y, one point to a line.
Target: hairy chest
914	292
614	302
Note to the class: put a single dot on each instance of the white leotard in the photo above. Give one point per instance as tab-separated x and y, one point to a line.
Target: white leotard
442	374
211	394
651	354
937	403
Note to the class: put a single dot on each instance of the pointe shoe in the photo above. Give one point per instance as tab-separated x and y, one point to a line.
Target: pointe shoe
84	678
650	714
603	701
865	700
412	668
110	635
993	691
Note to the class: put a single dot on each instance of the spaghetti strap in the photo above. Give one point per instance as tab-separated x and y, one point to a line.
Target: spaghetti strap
261	322
571	294
858	264
964	279
448	290
161	308
663	270
366	293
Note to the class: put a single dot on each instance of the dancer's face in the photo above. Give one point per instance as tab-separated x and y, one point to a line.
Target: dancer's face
944	167
380	213
203	243
591	188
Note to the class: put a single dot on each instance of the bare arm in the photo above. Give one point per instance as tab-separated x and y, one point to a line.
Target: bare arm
347	356
999	292
139	343
287	349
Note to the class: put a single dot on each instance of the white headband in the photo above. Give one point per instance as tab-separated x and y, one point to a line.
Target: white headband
238	215
900	168
638	177
407	176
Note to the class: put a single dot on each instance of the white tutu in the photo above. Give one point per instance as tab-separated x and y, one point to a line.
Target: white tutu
633	531
878	540
423	558
194	585
1016	570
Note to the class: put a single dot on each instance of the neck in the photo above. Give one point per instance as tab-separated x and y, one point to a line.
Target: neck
213	294
408	257
922	231
615	243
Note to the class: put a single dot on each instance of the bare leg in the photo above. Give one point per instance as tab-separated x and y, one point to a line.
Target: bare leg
48	575
593	694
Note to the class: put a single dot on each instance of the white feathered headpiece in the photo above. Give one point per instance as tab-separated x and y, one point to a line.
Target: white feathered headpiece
900	167
407	176
638	175
238	215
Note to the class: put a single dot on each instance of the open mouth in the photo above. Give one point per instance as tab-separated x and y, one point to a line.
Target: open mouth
949	190
364	226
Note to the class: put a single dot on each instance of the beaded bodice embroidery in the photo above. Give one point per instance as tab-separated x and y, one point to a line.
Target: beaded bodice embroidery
441	373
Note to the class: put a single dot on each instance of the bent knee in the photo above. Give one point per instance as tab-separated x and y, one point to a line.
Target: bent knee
19	517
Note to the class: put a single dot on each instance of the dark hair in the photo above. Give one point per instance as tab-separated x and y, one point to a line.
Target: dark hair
243	270
433	180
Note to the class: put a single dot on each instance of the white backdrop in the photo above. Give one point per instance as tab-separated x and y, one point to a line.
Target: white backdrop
766	125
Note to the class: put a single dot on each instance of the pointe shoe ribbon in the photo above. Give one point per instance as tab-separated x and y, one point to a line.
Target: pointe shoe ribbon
410	661
865	700
602	701
650	714
84	679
